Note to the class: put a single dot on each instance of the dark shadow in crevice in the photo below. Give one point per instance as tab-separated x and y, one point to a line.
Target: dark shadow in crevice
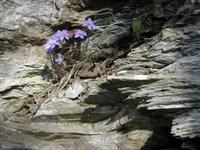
160	127
161	138
111	95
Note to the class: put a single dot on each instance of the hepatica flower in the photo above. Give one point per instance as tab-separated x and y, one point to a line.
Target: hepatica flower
61	35
89	24
59	59
58	36
50	45
80	34
66	34
57	39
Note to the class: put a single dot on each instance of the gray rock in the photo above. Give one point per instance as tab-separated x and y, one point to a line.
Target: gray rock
21	77
155	85
173	87
30	21
75	89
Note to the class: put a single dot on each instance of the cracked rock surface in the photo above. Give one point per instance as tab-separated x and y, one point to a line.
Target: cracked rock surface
150	102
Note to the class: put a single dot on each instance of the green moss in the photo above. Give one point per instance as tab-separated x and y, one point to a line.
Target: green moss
137	26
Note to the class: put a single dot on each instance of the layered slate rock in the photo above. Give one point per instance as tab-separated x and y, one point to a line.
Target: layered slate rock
24	76
115	26
90	125
24	27
154	91
171	62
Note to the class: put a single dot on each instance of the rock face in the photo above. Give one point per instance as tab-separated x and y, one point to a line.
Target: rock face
150	102
170	62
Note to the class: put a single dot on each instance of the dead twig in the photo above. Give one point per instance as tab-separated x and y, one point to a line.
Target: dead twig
56	89
63	82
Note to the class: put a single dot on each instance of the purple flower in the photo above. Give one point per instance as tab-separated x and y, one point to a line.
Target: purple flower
89	24
66	34
61	35
58	36
59	59
50	45
80	33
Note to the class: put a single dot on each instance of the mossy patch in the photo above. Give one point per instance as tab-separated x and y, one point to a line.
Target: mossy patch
136	27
